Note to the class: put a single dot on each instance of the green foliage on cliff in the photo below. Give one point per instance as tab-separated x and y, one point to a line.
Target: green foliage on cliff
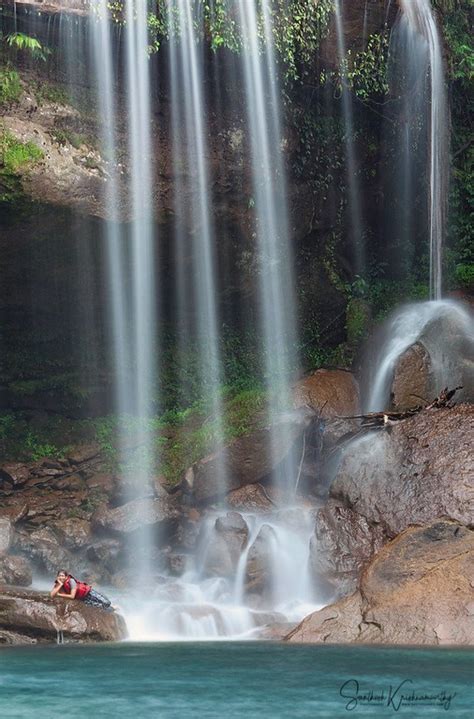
10	86
457	30
364	72
27	43
15	158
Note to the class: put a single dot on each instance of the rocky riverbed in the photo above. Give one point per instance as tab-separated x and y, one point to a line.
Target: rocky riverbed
392	514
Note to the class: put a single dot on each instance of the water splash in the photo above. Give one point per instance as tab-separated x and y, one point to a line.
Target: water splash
199	606
455	328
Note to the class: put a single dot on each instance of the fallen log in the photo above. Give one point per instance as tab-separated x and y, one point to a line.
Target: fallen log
386	418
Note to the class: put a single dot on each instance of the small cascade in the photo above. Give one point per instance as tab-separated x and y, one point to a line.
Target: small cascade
355	206
453	334
418	34
200	605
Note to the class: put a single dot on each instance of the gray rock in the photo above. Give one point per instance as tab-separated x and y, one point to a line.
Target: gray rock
6	535
258	571
131	516
75	533
15	570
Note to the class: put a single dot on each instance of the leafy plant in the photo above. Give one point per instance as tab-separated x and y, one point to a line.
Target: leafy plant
29	44
10	86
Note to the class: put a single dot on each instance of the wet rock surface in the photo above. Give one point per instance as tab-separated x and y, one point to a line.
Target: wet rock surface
248	460
229	539
329	393
417	590
412	382
28	617
420	469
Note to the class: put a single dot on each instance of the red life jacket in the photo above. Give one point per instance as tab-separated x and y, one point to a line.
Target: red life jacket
82	589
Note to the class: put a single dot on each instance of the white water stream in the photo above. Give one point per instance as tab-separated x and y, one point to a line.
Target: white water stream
198	605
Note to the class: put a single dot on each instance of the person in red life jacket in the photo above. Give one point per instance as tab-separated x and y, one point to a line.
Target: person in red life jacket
68	587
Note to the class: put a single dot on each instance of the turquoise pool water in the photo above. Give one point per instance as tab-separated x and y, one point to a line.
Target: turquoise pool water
234	680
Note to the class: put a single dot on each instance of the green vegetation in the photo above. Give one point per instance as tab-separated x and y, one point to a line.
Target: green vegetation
47	92
15	158
364	72
455	18
16	155
10	86
20	41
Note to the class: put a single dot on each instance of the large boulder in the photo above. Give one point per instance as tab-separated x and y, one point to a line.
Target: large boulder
417	590
422	468
342	544
259	569
328	392
246	460
33	617
251	498
230	535
15	570
133	515
412	381
74	532
43	546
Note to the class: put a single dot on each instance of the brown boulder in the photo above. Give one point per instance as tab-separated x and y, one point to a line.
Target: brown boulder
43	546
329	392
27	617
15	474
417	590
15	570
14	509
247	460
412	379
421	469
251	498
342	544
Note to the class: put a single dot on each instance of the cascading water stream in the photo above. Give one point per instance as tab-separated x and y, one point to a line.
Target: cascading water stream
201	605
406	327
416	60
129	252
419	19
355	207
276	285
188	104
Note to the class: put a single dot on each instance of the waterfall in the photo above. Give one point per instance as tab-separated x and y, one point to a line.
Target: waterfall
426	59
275	262
192	201
355	207
201	605
452	339
130	250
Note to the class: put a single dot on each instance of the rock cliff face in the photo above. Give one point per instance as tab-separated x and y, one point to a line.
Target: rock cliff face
417	590
419	469
33	617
